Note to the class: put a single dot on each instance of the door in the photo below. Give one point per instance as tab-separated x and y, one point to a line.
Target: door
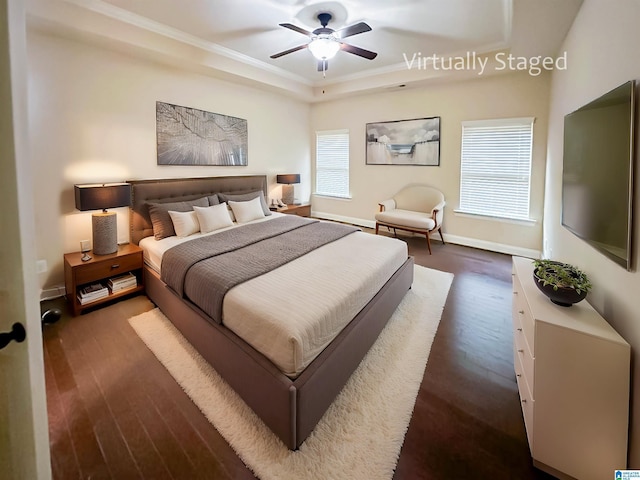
24	442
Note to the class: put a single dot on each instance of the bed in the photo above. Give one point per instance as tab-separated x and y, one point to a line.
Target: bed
289	396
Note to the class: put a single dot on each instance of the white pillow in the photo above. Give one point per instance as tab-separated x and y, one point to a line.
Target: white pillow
213	218
185	223
247	211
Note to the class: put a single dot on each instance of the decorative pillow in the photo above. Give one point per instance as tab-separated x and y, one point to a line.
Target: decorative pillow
213	218
185	223
213	199
160	219
243	197
247	211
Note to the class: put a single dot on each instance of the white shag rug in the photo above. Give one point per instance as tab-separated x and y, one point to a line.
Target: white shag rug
361	434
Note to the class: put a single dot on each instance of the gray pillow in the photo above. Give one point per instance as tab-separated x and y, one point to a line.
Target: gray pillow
213	200
161	220
245	197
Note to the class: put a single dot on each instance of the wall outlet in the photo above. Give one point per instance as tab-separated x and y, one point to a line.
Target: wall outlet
41	266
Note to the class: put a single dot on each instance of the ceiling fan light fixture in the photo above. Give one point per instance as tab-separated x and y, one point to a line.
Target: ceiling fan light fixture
324	47
326	42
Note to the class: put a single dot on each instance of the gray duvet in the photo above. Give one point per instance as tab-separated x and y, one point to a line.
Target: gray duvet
206	268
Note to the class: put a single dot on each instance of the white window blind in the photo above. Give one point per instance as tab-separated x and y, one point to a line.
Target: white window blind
332	163
496	167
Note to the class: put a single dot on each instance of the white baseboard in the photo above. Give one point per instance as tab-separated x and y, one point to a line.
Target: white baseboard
53	292
456	239
492	246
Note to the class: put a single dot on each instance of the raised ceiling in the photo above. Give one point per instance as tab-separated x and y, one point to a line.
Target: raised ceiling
234	39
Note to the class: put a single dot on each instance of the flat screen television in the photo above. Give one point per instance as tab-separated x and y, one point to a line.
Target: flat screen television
597	173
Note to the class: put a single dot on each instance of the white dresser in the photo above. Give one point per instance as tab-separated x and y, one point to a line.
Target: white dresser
572	370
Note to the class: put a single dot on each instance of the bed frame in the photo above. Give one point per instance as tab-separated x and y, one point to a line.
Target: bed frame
291	408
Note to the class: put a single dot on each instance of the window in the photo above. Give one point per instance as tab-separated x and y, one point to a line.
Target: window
495	167
332	163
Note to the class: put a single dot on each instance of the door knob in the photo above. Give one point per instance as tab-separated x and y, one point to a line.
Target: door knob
17	333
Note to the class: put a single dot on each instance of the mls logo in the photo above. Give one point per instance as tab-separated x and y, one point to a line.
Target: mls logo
627	474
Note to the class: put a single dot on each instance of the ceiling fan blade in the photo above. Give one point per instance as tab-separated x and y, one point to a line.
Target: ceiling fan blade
291	50
351	30
295	28
323	65
361	52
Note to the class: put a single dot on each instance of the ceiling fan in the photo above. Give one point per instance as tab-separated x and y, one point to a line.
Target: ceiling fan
325	42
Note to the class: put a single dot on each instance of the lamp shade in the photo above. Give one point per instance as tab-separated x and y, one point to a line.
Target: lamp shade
104	225
288	179
102	196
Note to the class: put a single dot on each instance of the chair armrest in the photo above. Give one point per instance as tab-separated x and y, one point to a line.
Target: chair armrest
437	212
438	207
387	205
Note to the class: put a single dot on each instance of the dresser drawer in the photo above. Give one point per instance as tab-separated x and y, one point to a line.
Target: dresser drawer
527	403
522	315
108	268
523	359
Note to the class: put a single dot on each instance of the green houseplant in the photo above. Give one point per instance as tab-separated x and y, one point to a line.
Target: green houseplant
563	283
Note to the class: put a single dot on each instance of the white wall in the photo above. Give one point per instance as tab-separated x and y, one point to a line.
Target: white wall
602	50
92	119
497	96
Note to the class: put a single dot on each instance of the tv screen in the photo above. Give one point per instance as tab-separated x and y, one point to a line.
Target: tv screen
597	174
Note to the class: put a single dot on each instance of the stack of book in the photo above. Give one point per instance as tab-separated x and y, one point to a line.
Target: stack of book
92	292
123	282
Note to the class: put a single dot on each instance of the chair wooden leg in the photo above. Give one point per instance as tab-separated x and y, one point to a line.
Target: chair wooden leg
377	227
428	243
440	230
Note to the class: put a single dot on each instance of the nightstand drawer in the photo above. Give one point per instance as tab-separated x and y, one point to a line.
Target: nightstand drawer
303	211
108	268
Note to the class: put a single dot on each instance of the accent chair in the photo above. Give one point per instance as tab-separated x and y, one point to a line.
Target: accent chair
415	208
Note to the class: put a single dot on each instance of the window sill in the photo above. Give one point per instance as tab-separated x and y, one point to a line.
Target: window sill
331	197
527	222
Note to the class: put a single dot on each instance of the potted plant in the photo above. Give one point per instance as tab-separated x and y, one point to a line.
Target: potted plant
563	283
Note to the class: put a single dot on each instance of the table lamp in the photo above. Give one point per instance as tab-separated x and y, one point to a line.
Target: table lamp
287	182
104	224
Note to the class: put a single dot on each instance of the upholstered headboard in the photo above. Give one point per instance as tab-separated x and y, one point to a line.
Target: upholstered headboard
179	189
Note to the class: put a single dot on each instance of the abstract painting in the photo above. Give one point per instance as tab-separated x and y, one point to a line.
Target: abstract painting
404	142
187	136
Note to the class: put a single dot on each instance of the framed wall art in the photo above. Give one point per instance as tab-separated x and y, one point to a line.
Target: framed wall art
187	136
404	142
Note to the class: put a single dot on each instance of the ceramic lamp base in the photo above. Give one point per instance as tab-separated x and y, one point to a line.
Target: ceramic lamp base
105	233
287	194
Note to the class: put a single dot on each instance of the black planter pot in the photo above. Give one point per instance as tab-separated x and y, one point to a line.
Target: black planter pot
565	297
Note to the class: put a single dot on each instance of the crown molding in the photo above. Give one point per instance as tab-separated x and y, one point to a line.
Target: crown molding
133	19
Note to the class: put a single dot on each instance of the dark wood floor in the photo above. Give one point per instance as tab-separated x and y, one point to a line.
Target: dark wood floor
115	412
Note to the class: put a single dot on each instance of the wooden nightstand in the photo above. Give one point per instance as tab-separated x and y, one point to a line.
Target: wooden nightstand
78	274
303	210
